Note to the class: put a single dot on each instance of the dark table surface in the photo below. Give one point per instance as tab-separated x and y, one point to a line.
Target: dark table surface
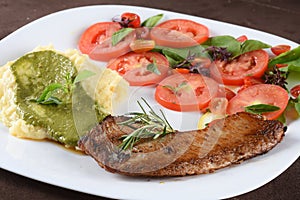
279	17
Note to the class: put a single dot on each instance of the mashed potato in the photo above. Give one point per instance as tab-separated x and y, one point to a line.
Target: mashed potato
110	88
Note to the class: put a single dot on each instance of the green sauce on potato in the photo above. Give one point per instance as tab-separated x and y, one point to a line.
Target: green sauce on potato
33	73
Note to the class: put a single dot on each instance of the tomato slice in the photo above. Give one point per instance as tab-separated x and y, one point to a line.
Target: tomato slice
141	76
225	92
133	67
260	94
179	33
181	70
295	91
281	65
96	41
233	72
218	105
186	92
279	49
242	38
249	81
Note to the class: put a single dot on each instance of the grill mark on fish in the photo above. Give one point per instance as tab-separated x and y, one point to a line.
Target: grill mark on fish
229	141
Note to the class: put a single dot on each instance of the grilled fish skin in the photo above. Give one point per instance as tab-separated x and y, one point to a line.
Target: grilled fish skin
231	140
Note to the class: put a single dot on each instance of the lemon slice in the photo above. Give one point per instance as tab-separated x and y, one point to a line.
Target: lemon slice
207	118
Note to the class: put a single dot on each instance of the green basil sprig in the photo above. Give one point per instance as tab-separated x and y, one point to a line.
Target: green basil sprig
47	96
152	21
152	67
177	55
290	58
176	89
120	35
83	75
233	46
297	105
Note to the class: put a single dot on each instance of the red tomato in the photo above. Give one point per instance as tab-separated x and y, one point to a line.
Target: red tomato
133	67
295	91
96	41
279	49
143	33
218	105
181	71
141	76
225	92
260	94
279	65
249	81
131	19
186	92
242	38
179	33
233	72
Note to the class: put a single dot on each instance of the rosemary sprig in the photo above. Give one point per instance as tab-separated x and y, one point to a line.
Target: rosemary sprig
152	126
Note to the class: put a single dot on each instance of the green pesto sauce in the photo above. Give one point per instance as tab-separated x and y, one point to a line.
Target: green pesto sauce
66	122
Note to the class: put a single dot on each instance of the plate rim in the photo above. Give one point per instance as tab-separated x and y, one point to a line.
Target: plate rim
3	40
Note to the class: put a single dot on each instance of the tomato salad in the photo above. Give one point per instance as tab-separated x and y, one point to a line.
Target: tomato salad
192	71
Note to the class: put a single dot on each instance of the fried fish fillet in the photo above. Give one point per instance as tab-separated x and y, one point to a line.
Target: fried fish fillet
231	140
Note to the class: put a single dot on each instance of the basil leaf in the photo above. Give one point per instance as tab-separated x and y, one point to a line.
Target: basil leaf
172	62
182	86
297	107
293	104
173	58
171	53
261	108
120	35
293	68
292	59
233	46
84	74
225	41
158	48
251	45
292	56
152	21
152	67
171	88
282	118
51	100
179	54
48	92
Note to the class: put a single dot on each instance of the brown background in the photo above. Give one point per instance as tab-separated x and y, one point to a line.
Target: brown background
280	17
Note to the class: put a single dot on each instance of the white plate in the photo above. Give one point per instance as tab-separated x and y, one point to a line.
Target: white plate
50	163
